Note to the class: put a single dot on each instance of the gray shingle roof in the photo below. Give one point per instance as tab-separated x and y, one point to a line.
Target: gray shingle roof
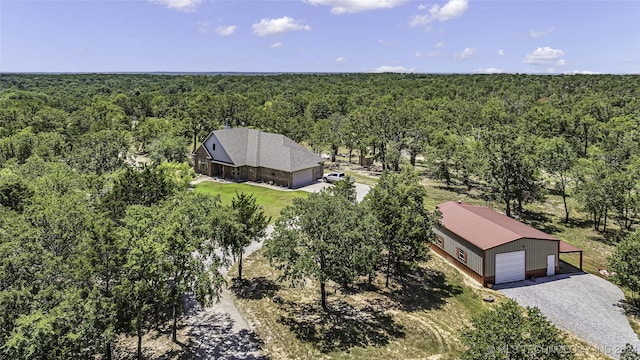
262	149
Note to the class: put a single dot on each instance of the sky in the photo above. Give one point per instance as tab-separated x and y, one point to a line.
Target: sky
449	36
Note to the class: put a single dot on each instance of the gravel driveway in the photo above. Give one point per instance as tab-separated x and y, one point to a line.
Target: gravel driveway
583	304
361	189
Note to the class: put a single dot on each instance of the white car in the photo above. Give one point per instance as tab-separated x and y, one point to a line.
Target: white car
334	177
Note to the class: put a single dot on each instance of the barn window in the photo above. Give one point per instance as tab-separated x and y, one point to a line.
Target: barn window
462	255
440	241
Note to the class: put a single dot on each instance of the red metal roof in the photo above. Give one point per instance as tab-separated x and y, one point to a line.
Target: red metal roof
568	248
484	227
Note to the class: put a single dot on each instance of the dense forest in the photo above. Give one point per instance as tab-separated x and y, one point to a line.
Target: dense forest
80	228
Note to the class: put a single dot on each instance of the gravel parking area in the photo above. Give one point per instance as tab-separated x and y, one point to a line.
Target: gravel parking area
583	304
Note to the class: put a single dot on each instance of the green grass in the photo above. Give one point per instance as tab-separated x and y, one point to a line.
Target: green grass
421	319
410	321
271	200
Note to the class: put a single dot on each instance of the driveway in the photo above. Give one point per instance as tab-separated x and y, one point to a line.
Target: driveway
583	304
361	189
220	331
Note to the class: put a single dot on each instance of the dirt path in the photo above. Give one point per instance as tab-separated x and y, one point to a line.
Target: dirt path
219	331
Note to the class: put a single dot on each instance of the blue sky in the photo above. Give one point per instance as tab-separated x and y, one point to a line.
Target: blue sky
450	36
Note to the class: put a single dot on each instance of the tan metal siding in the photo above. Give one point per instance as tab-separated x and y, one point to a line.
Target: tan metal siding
536	254
452	242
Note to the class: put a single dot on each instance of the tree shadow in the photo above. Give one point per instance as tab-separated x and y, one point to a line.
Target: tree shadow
212	336
579	223
539	220
341	327
254	289
423	289
205	334
631	306
610	237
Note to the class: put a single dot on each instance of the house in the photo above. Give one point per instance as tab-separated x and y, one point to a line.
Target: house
244	154
493	248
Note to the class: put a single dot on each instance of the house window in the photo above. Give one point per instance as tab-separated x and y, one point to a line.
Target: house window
235	172
213	147
462	255
203	166
440	241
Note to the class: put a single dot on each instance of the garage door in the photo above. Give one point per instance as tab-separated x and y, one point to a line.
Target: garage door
510	267
302	178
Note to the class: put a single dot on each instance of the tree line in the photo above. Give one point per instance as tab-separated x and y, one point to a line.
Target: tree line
509	135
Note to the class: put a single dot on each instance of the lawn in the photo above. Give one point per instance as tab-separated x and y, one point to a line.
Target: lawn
271	200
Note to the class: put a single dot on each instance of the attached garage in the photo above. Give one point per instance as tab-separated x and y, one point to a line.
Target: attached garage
493	248
510	267
302	178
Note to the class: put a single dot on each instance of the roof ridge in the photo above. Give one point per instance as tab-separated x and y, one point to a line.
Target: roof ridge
467	206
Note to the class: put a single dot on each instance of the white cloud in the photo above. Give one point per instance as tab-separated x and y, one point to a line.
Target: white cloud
181	5
545	56
502	52
277	45
422	7
355	6
283	25
395	69
451	10
428	54
226	30
341	60
490	70
465	54
384	42
439	45
536	34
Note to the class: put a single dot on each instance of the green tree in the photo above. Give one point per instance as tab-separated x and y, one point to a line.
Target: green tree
318	237
558	158
625	262
506	332
397	204
188	262
253	223
168	148
141	285
506	155
133	187
346	189
99	152
14	195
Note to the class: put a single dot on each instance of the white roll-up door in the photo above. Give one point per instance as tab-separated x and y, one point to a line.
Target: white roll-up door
510	267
